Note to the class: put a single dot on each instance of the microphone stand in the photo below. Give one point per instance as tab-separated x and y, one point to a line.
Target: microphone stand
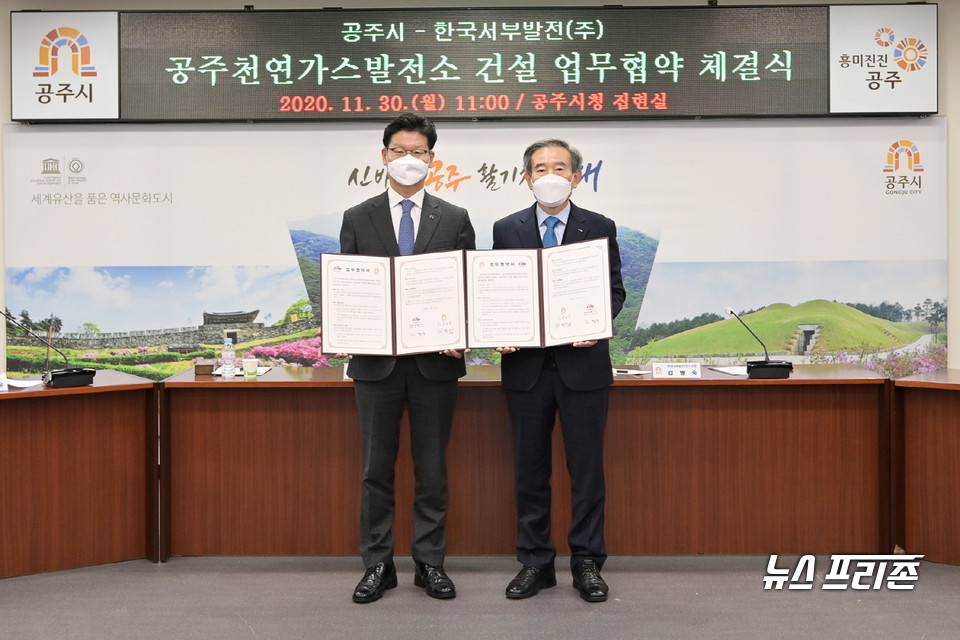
763	369
58	378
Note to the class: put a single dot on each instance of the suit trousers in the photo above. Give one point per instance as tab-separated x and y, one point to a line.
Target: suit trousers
583	417
380	407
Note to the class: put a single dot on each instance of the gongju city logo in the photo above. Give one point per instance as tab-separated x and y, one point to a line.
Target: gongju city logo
910	54
71	43
890	59
902	169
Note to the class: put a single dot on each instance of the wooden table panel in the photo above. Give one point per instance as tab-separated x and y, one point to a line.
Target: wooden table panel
929	407
277	471
482	516
78	471
265	471
722	465
720	470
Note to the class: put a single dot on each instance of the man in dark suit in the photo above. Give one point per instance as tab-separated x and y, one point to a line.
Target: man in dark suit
403	220
572	380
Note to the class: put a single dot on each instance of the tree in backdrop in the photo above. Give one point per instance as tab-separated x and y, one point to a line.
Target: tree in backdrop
933	313
53	323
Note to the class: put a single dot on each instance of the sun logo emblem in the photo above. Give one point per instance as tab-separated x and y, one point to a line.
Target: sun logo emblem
884	37
910	54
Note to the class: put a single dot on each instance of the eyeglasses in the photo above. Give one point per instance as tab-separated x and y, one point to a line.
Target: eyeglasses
416	153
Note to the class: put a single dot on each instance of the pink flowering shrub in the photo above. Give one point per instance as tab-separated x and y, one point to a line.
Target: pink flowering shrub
897	364
301	353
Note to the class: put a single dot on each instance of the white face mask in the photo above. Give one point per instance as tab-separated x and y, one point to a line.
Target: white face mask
407	170
552	190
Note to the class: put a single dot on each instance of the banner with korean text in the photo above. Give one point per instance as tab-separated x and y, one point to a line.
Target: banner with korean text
527	63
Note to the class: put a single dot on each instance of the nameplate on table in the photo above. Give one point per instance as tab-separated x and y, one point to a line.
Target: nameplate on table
676	370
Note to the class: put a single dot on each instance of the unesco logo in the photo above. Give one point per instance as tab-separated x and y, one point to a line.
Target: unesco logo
51	167
60	171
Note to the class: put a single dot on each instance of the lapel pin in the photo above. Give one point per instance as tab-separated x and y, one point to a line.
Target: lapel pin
432	218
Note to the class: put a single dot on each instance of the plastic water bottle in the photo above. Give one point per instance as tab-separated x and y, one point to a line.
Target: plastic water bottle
228	359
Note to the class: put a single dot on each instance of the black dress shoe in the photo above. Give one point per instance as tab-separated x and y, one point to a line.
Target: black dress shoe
587	580
529	582
434	581
375	581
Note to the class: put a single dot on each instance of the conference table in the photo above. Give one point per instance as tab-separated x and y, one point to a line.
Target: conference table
78	474
718	465
928	433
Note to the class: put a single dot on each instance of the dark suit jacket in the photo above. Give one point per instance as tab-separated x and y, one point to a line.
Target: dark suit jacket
583	369
368	230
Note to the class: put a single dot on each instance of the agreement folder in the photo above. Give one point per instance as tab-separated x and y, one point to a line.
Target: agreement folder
422	303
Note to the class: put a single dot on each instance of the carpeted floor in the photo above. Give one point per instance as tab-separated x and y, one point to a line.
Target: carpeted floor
285	598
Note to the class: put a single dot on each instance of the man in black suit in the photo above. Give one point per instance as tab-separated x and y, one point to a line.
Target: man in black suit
426	383
572	380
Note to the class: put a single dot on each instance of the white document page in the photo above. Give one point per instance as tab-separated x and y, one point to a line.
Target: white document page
356	304
503	298
576	292
430	304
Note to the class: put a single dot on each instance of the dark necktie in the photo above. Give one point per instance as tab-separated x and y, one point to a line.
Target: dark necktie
405	236
549	236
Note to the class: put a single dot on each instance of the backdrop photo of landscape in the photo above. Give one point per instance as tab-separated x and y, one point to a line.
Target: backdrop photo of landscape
801	226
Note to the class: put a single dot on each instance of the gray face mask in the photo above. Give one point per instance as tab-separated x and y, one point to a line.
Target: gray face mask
407	170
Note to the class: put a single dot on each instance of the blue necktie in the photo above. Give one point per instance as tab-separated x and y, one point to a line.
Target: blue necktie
549	236
405	237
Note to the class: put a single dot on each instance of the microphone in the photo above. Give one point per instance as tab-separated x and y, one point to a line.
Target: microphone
58	378
766	368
